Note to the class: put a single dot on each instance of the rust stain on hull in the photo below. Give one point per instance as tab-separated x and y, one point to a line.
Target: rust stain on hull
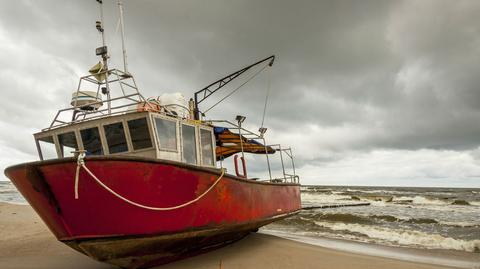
147	251
35	178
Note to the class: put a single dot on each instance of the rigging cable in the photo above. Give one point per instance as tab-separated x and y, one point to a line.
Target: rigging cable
266	98
236	89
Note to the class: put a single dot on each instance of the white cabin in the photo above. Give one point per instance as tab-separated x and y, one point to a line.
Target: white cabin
142	134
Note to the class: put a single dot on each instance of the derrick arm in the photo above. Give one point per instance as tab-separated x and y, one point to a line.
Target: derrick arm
204	93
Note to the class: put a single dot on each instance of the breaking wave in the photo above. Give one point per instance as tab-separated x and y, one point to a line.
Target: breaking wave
7	191
367	219
343	217
418	217
416	200
404	237
460	202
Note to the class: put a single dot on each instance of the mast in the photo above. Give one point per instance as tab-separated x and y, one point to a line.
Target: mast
122	31
102	51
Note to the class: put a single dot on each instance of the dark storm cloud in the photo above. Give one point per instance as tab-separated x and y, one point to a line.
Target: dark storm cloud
349	76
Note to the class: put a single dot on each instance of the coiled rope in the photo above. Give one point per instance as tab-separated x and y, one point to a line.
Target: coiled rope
81	164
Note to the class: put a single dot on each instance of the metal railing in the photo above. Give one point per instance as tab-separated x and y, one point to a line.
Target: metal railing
127	97
287	177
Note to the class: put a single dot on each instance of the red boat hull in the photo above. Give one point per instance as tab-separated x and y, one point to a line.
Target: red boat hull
112	230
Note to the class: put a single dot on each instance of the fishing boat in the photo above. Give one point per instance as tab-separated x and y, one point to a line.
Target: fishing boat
137	182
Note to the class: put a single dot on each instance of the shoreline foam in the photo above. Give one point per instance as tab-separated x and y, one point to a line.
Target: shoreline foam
457	259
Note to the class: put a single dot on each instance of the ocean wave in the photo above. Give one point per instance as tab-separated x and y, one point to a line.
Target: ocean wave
460	202
343	217
404	237
365	219
320	198
382	192
462	224
8	191
308	219
416	200
389	218
422	200
316	189
475	203
375	198
7	188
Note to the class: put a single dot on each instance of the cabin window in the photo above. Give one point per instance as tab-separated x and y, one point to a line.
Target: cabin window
207	147
68	143
115	135
139	134
47	148
167	133
91	141
189	147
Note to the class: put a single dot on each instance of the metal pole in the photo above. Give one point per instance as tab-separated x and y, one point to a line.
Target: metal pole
196	111
281	159
100	2
268	159
293	163
122	30
105	58
75	104
240	136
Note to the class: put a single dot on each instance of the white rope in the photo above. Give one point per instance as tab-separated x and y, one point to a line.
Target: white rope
81	164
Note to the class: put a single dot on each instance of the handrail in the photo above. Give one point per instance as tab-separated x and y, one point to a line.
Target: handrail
288	151
133	97
287	177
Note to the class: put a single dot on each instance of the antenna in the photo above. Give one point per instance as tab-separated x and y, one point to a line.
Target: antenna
122	30
103	52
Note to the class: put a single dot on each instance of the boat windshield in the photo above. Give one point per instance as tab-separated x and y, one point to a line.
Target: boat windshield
207	147
47	148
115	138
189	147
167	133
139	134
91	141
68	144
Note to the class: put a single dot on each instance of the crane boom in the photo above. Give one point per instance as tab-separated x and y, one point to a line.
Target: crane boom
204	93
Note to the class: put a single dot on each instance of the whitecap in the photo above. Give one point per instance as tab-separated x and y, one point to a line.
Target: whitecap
405	237
422	200
319	198
459	223
475	203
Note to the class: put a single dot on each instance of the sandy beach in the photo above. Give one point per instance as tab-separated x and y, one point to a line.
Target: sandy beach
25	242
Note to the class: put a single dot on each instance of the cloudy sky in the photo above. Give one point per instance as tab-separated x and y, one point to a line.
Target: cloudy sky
365	92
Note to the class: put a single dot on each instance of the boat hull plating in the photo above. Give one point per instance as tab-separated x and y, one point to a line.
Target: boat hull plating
108	229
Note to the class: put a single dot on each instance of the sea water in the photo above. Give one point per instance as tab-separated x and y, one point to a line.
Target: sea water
427	218
9	194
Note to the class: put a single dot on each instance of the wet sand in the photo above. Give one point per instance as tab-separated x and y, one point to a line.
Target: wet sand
25	242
